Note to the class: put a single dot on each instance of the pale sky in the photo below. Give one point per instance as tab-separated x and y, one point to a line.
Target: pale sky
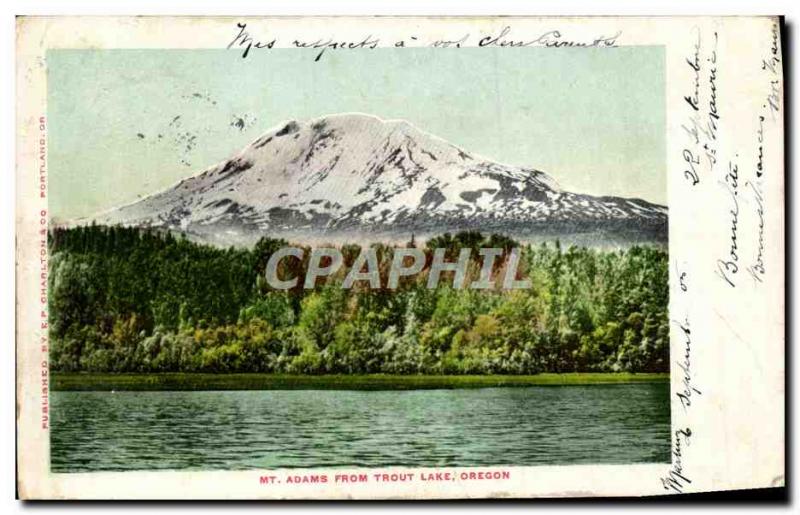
593	119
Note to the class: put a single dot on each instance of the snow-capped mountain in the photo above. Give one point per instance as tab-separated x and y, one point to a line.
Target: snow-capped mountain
358	177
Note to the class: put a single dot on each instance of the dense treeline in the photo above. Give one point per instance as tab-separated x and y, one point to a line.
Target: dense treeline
129	300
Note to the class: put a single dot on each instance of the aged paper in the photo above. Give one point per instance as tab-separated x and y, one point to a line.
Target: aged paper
399	257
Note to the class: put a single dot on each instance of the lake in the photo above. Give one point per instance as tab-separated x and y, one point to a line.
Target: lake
539	425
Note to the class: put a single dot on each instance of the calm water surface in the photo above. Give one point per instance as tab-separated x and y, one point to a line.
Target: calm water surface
424	428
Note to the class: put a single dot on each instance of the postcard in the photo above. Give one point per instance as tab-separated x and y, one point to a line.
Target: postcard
399	257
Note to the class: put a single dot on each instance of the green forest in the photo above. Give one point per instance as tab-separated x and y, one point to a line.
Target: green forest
143	301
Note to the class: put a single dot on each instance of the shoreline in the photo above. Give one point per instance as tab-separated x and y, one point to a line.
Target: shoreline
178	381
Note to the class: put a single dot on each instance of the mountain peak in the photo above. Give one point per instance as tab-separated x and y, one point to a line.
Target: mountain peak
357	174
354	122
